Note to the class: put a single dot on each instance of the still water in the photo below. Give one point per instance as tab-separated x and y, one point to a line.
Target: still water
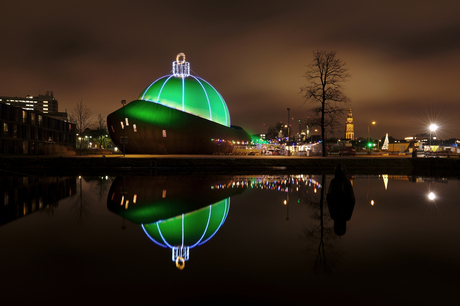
226	240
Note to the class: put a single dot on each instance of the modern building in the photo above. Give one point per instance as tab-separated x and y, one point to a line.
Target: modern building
177	114
43	103
349	129
30	131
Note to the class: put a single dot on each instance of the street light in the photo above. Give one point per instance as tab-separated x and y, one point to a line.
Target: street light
123	127
433	128
289	134
368	145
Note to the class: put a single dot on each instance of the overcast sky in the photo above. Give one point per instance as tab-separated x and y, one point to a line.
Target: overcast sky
403	55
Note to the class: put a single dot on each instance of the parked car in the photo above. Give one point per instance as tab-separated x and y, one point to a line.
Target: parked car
347	151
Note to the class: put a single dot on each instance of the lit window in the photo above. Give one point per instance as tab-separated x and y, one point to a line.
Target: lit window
164	133
127	123
134	128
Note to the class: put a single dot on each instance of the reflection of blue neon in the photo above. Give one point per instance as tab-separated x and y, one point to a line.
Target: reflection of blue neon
165	244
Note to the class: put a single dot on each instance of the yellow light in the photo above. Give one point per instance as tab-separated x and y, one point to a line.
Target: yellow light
180	262
135	199
285	202
127	202
372	202
122	200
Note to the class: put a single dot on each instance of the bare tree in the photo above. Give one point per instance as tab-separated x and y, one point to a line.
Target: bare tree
81	116
325	75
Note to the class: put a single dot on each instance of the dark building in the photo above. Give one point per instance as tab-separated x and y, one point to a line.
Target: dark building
28	132
177	114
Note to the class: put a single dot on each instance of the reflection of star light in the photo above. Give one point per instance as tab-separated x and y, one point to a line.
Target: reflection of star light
431	196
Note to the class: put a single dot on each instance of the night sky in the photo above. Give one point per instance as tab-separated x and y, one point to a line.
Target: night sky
403	55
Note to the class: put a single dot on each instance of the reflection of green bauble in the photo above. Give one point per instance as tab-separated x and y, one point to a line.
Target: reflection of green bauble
189	229
186	231
189	94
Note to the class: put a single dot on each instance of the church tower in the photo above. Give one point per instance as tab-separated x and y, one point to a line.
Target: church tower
349	131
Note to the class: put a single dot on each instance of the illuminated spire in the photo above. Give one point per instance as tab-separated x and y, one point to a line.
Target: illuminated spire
181	69
385	143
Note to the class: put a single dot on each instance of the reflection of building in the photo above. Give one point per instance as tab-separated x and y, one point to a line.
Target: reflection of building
349	131
175	212
178	113
21	196
28	132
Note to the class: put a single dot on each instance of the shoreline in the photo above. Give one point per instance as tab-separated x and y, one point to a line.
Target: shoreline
219	164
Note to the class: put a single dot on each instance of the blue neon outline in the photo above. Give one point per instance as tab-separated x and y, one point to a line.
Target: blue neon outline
150	237
221	222
205	230
227	119
207	97
183	94
161	89
162	237
147	89
183	230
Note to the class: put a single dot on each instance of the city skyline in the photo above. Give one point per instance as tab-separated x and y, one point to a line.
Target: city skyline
403	57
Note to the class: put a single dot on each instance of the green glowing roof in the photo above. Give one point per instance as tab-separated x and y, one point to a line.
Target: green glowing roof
189	94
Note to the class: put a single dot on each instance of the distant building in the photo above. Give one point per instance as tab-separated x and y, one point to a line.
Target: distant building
43	103
29	131
350	130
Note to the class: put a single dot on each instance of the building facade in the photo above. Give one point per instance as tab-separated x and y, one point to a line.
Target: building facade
28	131
349	129
43	103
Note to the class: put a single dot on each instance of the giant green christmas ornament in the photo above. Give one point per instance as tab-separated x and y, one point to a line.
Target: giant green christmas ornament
188	93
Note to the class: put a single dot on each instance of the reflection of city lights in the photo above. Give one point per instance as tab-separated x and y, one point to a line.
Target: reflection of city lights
431	196
285	202
372	202
135	199
122	200
314	190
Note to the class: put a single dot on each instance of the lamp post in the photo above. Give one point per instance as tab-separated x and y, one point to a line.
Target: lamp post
373	123
123	126
289	134
433	128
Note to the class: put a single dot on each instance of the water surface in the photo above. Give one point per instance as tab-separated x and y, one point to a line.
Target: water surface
77	240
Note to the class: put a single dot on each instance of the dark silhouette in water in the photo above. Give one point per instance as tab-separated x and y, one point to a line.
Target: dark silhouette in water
340	200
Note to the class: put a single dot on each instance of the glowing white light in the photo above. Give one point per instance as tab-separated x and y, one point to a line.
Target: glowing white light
181	68
433	127
431	196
